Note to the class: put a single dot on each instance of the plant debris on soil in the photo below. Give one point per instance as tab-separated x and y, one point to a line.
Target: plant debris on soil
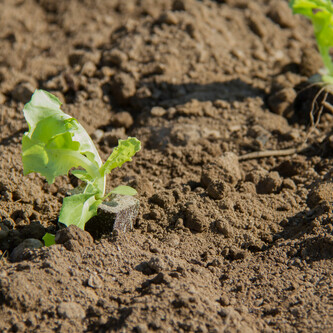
221	243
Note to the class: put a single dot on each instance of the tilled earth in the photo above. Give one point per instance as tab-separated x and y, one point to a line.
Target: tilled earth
222	242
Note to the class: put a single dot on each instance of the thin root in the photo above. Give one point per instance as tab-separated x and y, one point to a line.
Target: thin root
314	123
304	146
327	105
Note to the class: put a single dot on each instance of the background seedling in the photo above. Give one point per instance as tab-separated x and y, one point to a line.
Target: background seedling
320	12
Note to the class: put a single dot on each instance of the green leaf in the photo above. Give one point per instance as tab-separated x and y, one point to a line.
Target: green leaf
82	175
53	159
55	142
46	105
49	239
124	190
78	209
121	154
308	5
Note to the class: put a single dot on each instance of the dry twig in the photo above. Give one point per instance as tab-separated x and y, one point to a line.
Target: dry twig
269	153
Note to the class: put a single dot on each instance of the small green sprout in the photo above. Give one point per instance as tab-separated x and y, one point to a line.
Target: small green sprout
320	12
49	239
56	143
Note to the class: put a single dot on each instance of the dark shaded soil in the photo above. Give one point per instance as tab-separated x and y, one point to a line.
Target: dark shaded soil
220	244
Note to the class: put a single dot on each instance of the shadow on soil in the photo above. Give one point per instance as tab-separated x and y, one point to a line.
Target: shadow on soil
166	95
311	246
13	137
114	323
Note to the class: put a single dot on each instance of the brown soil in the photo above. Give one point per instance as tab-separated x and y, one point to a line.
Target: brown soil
220	244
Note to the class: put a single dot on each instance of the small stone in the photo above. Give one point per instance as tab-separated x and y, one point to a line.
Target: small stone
260	55
71	310
160	278
293	135
123	87
156	264
224	228
192	108
260	134
230	165
178	5
141	328
143	185
72	245
281	14
235	253
289	184
122	119
179	223
76	57
97	135
192	30
158	111
257	26
173	240
154	215
94	311
19	327
281	102
19	250
247	187
94	91
20	222
106	72
117	214
81	57
270	183
311	62
168	18
23	92
194	219
217	189
320	193
88	69
94	282
184	134
163	199
226	168
2	98
224	300
114	57
73	233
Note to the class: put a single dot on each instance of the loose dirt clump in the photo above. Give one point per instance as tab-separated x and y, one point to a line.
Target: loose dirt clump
224	240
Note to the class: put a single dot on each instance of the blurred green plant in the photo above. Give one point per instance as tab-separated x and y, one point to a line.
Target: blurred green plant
320	12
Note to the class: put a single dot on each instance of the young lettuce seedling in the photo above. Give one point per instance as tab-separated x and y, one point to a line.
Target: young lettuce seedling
56	143
320	12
